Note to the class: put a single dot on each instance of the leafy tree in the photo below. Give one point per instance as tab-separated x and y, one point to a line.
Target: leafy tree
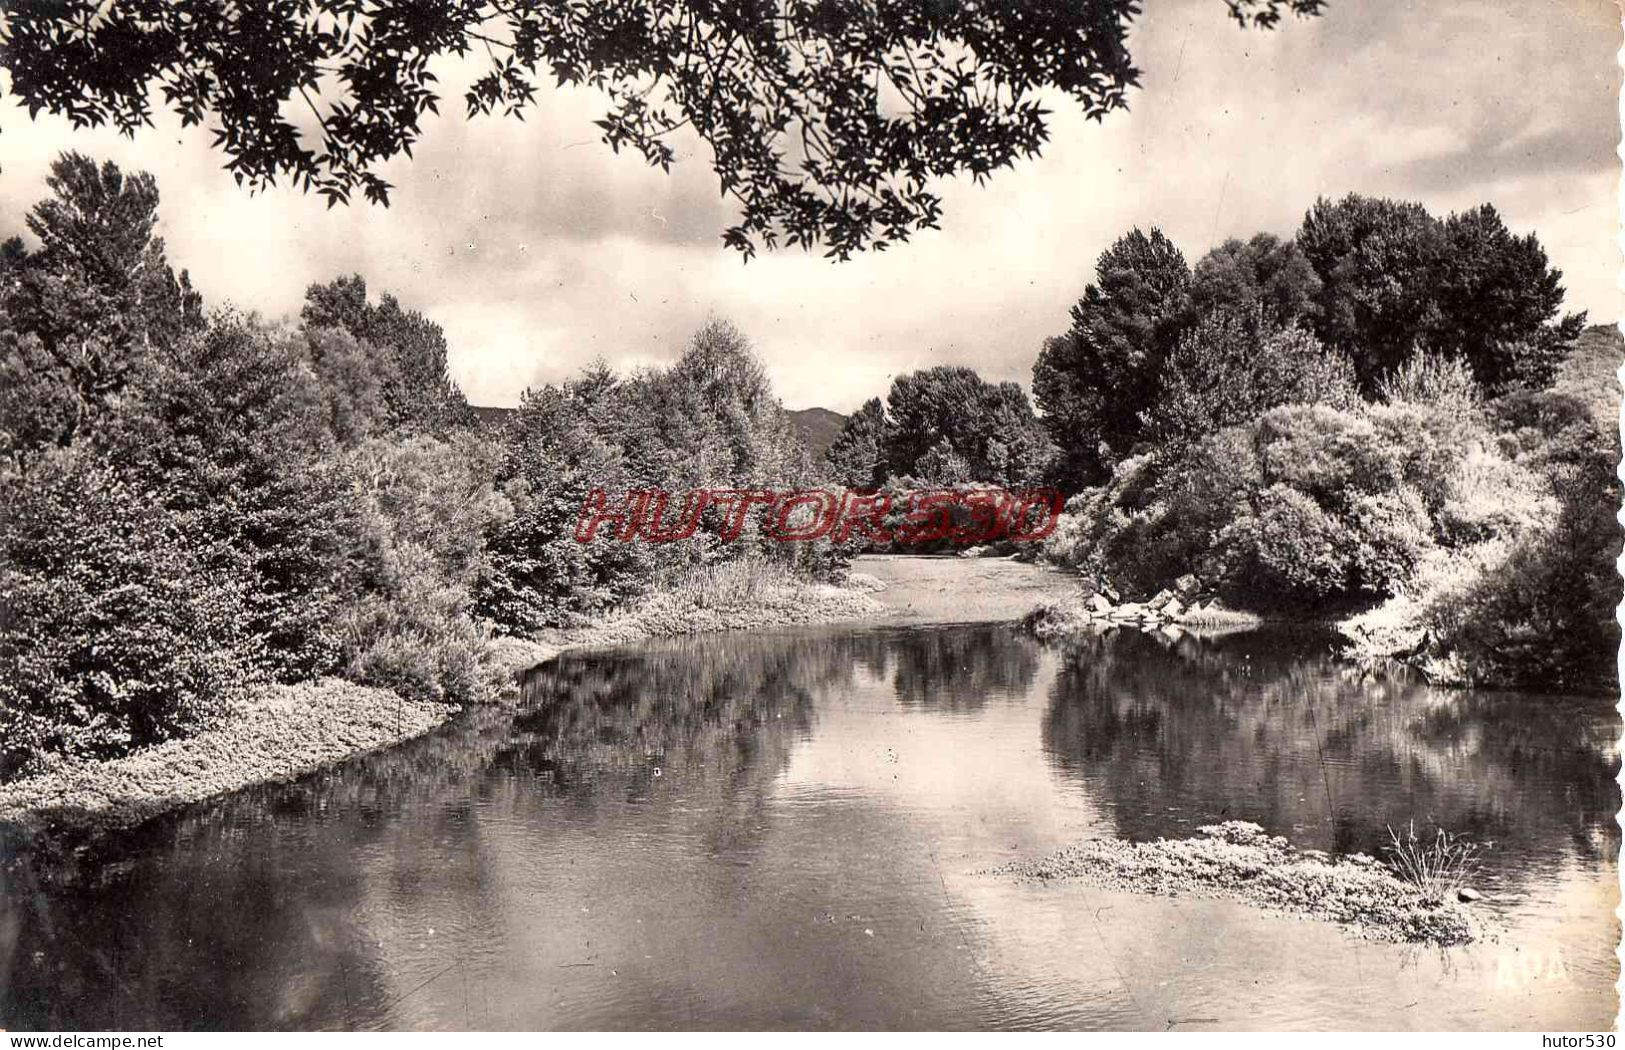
227	432
95	296
406	351
1016	449
114	632
990	428
709	421
351	383
855	456
1265	276
1499	299
828	120
1377	260
1094	382
1395	279
554	457
928	407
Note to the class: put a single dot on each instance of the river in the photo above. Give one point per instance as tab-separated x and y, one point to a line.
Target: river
791	830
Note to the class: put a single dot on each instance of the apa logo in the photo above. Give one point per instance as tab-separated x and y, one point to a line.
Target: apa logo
1521	968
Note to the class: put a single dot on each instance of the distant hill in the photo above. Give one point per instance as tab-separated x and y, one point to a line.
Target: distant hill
817	428
1588	372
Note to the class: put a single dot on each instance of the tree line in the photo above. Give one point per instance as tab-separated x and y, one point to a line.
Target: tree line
1384	418
200	501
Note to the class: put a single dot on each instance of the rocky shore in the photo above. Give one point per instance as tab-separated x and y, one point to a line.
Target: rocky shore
1096	605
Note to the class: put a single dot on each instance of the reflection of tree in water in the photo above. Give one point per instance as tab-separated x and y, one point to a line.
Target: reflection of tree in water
713	714
298	901
1268	727
959	668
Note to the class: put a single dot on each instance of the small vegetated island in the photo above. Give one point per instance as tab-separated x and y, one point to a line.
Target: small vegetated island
1419	899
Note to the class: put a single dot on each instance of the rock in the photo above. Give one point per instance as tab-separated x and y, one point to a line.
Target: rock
971	552
1187	586
1128	611
1163	598
1098	604
1172	609
1468	895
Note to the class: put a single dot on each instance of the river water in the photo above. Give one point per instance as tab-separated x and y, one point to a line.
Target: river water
790	831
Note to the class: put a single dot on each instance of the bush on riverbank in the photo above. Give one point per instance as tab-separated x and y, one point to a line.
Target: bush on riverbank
114	632
426	504
1239	861
1475	538
1531	605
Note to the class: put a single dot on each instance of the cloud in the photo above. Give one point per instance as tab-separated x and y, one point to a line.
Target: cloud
1556	152
538	249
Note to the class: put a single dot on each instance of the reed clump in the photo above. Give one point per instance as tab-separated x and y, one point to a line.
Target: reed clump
1438	868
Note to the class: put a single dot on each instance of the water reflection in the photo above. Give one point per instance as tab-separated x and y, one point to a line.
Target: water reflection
783	831
1181	731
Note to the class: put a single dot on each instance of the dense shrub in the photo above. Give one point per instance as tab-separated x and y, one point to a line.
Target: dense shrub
1394	537
1231	367
426	505
1535	603
114	631
1305	504
553	458
1290	546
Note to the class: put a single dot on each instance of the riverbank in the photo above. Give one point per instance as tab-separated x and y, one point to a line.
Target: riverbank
664	614
284	732
1239	861
281	732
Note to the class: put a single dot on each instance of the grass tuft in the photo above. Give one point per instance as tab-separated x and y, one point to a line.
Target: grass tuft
1438	869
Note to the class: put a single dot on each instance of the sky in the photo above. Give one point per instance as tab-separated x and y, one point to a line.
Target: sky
539	250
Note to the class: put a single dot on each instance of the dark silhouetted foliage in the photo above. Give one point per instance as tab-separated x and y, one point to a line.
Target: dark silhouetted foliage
828	121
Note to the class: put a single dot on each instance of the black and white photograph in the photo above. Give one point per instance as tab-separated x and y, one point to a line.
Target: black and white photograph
837	516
